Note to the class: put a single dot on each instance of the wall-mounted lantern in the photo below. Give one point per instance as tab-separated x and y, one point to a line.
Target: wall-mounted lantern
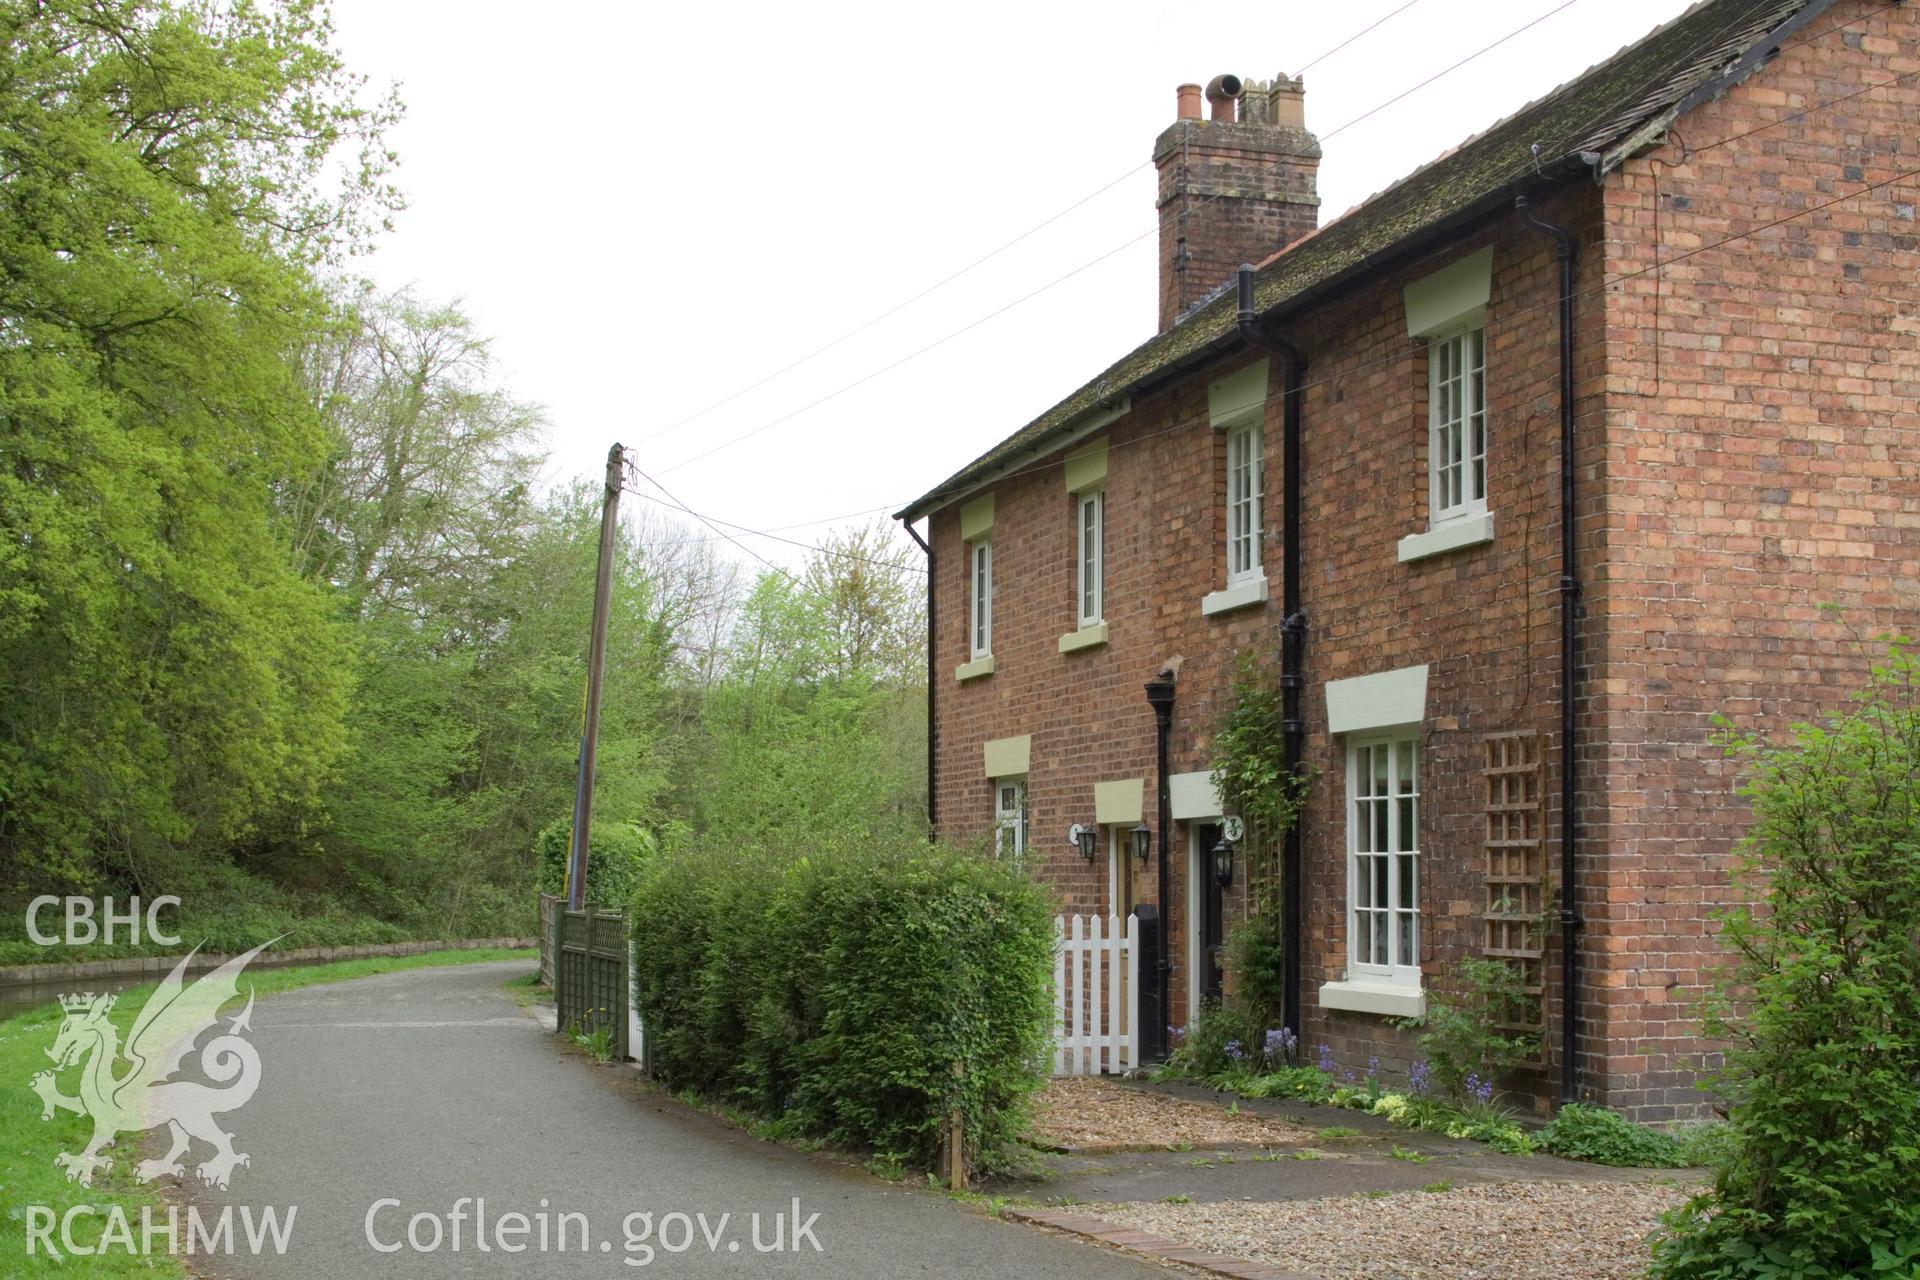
1223	863
1142	837
1085	839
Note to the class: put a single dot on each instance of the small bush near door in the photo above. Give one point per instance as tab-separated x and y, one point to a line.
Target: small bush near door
1821	1157
857	996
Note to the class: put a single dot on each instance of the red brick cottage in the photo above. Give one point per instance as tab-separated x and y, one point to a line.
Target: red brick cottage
1727	401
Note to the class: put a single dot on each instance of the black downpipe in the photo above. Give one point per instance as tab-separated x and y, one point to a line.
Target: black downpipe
933	802
1293	637
1160	693
1570	921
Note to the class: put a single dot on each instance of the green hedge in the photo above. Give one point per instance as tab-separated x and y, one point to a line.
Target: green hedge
616	852
859	997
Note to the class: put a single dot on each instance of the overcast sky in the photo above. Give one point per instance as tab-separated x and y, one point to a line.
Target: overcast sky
651	207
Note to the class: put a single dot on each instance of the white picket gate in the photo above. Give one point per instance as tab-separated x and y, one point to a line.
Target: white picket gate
1096	975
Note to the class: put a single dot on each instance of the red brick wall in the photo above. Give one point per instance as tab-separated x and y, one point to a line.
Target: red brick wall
1759	460
1087	711
1485	618
1228	194
1763	460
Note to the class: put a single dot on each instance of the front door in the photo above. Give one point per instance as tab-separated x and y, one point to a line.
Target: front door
1120	871
1212	929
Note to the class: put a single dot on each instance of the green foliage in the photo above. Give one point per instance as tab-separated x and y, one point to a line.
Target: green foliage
1583	1132
1249	768
598	1042
1305	1084
817	721
169	678
1823	1077
1249	771
862	995
1488	1123
249	606
1465	1045
287	630
1705	1144
1219	1039
617	854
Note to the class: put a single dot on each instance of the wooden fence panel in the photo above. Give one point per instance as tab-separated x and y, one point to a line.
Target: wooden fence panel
593	976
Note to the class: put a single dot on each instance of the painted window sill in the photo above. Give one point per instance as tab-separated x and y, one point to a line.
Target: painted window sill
975	669
1239	596
1467	531
1390	999
1086	637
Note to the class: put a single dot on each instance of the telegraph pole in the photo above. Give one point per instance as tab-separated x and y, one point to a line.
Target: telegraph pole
596	663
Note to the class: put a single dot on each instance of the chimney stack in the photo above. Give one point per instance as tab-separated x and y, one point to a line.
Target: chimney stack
1233	188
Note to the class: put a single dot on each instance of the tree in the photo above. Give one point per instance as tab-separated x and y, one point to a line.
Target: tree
430	465
818	720
169	680
1823	1010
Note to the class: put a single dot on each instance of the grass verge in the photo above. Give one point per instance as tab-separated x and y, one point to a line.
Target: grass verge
28	1144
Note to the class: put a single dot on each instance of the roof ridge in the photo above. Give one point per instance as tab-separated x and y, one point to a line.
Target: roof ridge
1588	111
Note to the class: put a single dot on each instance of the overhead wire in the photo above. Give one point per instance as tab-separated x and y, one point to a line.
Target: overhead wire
1093	262
1657	266
983	259
710	521
1393	357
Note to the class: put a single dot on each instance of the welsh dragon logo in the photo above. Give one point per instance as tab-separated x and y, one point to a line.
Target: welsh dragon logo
145	1096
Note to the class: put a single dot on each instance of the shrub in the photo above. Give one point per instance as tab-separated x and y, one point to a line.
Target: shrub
1463	1038
616	851
1823	1076
1220	1039
1706	1144
1583	1132
859	996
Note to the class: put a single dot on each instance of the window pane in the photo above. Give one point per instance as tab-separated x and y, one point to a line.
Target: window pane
1406	952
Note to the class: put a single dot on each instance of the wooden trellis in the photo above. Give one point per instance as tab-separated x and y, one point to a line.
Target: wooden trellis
1516	881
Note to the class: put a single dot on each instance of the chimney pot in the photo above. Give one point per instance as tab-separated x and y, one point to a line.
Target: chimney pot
1234	191
1287	103
1221	92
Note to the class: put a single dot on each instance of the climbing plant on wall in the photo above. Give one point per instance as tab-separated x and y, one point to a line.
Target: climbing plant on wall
1250	775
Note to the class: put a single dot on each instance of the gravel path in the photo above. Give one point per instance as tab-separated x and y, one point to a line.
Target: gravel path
1086	1113
1509	1231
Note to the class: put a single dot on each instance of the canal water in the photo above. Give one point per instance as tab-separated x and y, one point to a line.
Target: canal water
23	997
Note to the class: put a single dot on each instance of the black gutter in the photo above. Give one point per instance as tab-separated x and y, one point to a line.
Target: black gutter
932	803
1160	697
1570	921
1293	636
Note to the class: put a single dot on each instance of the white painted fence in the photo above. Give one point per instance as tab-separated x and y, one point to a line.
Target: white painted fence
1096	975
